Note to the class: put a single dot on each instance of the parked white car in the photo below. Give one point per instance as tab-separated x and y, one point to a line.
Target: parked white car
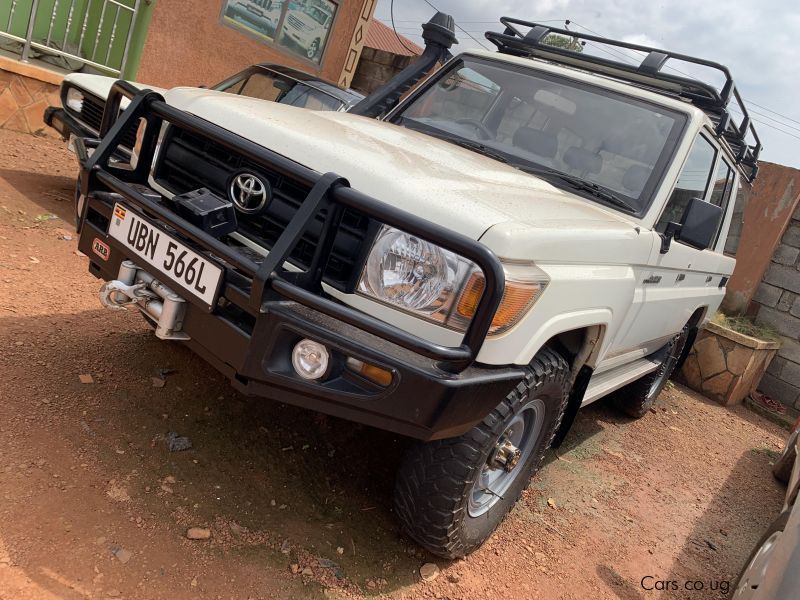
528	231
772	571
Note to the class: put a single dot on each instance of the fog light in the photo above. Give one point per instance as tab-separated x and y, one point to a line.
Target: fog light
310	359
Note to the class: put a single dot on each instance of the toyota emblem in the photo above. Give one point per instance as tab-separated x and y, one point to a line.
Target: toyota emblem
249	192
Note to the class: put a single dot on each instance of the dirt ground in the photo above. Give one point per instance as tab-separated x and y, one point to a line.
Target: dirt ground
93	505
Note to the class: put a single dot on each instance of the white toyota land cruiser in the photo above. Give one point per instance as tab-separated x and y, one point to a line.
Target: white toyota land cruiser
528	231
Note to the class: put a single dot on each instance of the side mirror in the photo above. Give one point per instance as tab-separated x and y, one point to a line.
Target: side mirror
697	228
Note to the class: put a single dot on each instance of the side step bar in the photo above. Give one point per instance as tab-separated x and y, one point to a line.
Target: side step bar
603	384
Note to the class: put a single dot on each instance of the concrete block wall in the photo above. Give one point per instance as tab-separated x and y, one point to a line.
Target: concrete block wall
777	303
376	67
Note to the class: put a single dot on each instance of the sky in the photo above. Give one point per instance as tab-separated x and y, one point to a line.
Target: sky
759	41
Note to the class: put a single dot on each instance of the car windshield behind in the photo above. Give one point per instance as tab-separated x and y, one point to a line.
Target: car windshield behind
284	90
609	144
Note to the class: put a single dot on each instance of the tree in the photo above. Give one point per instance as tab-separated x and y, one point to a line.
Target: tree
563	41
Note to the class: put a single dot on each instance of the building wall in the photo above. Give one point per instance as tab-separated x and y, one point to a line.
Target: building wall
376	67
777	303
188	45
757	231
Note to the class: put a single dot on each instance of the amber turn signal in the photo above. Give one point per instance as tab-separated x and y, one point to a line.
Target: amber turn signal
375	374
518	297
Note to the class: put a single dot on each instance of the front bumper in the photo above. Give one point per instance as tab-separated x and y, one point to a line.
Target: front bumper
57	118
263	311
254	352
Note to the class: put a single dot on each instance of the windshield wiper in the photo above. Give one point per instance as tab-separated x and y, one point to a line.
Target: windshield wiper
473	145
476	146
580	184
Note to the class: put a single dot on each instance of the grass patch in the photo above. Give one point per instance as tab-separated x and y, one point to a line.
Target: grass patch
745	326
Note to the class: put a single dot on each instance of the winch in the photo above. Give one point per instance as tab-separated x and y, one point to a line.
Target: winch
155	300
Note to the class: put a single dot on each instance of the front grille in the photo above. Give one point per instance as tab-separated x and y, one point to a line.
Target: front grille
92	115
188	162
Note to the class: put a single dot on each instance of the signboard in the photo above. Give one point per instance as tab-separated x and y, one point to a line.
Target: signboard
301	27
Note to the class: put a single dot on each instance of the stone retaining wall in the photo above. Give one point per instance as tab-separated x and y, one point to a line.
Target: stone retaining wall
24	94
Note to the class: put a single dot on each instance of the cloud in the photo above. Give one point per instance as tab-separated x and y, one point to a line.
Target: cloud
757	40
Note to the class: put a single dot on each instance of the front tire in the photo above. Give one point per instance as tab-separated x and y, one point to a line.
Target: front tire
636	398
450	495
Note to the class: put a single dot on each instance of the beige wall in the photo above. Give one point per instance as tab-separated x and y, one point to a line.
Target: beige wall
187	45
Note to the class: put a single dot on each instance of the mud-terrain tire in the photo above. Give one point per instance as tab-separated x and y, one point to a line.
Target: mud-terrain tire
636	398
440	494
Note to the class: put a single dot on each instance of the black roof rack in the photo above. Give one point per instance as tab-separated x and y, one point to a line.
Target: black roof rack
648	74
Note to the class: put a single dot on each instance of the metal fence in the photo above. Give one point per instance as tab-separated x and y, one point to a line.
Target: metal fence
79	33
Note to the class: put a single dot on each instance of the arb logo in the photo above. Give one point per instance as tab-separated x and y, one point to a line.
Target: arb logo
101	249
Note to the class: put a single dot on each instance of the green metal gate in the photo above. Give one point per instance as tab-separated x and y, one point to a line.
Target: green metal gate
72	34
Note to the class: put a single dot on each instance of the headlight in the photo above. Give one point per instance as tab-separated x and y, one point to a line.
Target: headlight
428	281
74	99
137	146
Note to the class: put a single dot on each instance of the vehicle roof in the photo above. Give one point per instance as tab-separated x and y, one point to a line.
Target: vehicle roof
346	95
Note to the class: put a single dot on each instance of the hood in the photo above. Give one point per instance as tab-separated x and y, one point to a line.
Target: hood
437	180
100	85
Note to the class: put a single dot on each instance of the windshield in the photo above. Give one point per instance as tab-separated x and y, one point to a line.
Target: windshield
319	16
283	90
563	129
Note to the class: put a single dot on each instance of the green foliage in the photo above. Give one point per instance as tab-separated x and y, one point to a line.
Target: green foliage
747	327
563	41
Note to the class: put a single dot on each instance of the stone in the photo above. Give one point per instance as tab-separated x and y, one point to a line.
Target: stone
17	122
790	349
738	359
776	366
717	387
782	322
792	236
767	295
34	115
783	276
307	571
429	572
710	357
8	106
198	533
782	391
122	555
795	310
85	378
691	372
791	373
21	95
786	301
785	255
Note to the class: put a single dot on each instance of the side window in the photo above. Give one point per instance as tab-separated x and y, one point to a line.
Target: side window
723	181
692	182
265	87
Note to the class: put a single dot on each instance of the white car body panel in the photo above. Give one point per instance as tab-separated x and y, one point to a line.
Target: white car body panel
605	267
100	85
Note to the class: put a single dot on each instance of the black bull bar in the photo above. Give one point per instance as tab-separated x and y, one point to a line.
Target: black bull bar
270	281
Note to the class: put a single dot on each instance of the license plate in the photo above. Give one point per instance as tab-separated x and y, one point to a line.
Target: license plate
194	273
